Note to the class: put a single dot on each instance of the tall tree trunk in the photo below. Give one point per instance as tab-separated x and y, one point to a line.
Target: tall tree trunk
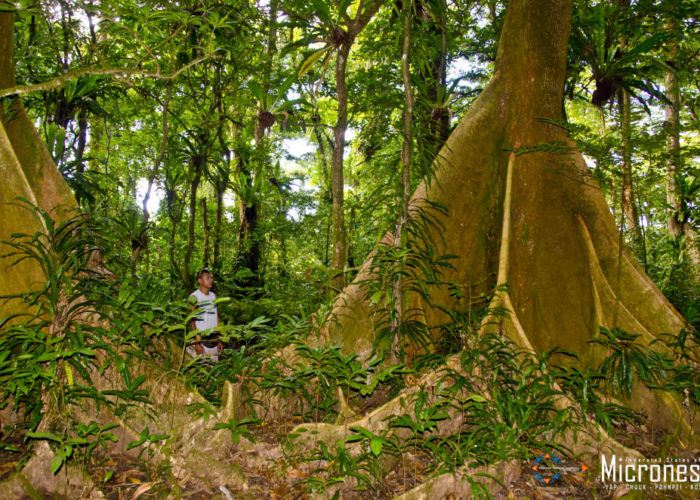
347	38
218	225
677	225
82	141
339	252
397	292
673	147
207	231
434	75
197	167
627	198
247	215
249	210
327	191
159	158
221	184
525	216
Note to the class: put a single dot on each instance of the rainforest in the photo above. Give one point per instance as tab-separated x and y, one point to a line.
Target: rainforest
338	249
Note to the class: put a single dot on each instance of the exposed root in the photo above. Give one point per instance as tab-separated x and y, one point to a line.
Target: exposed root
35	480
467	482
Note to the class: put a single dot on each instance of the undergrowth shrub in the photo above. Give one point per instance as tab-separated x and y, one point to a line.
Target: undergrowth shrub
81	322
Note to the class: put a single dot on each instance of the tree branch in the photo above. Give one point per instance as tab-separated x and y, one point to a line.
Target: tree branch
63	79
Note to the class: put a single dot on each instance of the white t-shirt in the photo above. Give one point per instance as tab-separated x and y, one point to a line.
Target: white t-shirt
208	313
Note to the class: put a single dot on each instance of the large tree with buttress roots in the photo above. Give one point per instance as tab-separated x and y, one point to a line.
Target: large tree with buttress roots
524	216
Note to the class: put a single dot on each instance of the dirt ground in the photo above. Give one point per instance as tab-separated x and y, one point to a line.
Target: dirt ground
273	474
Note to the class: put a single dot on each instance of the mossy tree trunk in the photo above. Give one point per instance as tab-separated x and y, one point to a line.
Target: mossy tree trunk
677	222
524	211
27	171
627	198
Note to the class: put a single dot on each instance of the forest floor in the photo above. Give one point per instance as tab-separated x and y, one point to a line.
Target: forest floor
272	474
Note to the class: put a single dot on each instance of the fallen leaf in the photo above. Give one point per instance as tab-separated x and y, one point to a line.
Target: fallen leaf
141	490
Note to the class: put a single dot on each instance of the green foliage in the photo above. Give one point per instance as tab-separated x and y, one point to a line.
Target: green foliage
602	38
678	370
146	438
342	466
418	266
238	428
39	353
627	363
84	323
87	437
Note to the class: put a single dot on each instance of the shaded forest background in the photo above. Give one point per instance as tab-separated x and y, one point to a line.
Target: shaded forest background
228	164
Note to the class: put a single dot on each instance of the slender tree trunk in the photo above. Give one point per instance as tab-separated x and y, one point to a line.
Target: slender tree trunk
673	142
627	199
221	185
397	292
197	167
82	142
159	159
434	76
207	231
327	191
220	191
339	252
347	38
677	223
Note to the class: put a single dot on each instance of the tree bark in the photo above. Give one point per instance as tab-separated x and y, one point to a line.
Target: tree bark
397	293
248	244
525	214
677	225
434	76
327	191
197	167
207	230
337	183
627	198
673	146
347	38
221	185
27	171
82	142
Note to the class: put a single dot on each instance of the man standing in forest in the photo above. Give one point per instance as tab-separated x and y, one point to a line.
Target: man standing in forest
207	343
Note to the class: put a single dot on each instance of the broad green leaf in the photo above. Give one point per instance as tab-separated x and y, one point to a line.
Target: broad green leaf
376	446
311	60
